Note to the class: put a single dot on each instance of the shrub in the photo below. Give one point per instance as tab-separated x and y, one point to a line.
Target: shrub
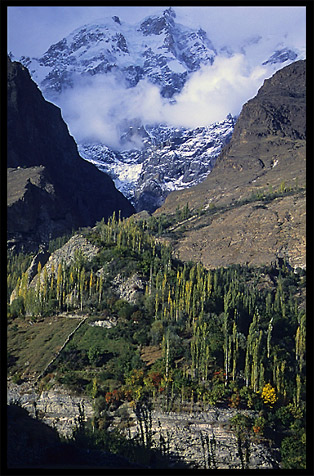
17	307
123	309
293	452
284	416
17	378
217	393
249	397
235	399
99	405
94	354
141	337
156	332
259	425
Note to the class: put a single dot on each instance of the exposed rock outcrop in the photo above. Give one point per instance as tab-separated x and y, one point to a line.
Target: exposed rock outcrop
77	244
129	289
33	444
183	433
56	407
40	259
186	433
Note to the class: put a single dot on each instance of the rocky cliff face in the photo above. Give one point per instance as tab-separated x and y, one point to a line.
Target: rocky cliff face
55	407
270	121
51	189
265	159
183	432
186	431
31	443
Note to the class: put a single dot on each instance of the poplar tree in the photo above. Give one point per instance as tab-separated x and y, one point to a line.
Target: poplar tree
23	285
45	284
300	341
256	344
37	310
91	282
100	287
235	341
52	277
81	286
252	357
226	347
227	337
298	389
269	332
59	285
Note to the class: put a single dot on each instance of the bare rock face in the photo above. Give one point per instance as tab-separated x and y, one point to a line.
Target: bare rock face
67	253
183	433
35	212
55	407
202	438
253	234
266	154
51	189
31	443
129	289
41	257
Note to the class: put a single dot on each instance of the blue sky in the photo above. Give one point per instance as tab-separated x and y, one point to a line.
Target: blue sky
31	30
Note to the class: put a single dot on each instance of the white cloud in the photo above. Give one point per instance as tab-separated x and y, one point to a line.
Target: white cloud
231	25
99	108
215	91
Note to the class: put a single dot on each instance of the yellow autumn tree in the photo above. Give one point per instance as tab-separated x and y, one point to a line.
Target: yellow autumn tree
269	395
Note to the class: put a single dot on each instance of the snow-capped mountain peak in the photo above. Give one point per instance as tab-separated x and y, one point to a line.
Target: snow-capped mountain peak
157	48
88	72
156	24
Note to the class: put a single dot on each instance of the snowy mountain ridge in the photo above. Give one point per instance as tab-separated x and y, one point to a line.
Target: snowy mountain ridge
157	49
92	73
171	159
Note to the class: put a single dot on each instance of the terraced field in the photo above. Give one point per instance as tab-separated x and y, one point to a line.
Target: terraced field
31	346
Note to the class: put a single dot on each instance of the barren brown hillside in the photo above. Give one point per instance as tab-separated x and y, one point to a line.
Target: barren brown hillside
251	208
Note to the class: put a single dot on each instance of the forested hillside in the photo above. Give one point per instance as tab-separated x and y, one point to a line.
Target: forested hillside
161	331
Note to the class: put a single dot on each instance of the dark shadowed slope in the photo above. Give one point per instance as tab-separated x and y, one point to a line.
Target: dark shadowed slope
51	189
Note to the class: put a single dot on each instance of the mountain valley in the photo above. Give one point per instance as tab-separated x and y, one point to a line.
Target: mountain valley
172	159
220	343
156	289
